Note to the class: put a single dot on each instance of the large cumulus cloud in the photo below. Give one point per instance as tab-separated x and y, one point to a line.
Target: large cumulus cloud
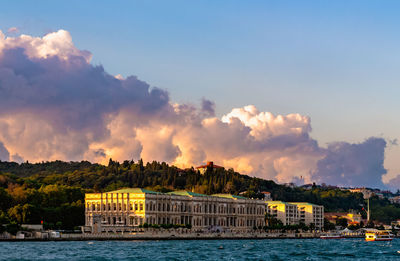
54	104
353	164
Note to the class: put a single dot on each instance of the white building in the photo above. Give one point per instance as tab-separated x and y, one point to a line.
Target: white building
291	213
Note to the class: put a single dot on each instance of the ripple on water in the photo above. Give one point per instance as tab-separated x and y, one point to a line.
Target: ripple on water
280	249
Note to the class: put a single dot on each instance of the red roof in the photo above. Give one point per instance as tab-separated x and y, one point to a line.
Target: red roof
205	166
209	164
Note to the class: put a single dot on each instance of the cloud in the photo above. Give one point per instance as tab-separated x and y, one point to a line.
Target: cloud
4	154
52	99
394	183
54	102
13	30
353	164
17	158
208	107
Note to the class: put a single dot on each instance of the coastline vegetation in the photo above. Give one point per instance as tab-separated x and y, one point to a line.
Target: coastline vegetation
53	192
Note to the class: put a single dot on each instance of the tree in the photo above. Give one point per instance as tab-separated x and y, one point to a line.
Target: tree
328	225
312	226
273	222
341	222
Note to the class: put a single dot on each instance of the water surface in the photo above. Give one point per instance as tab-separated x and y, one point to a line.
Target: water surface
278	249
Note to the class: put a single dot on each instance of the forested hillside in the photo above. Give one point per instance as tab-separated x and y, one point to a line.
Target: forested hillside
54	191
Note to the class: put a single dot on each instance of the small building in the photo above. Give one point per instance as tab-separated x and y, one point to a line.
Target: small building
352	217
395	200
367	193
209	166
283	211
33	227
267	196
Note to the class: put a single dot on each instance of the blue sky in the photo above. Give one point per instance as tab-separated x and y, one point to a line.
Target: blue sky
335	61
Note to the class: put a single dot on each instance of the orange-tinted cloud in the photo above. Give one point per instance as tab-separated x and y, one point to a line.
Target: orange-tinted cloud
54	104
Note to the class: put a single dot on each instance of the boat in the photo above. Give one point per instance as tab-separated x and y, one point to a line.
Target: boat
378	235
331	236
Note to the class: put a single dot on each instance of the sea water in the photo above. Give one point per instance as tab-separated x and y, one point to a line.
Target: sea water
267	249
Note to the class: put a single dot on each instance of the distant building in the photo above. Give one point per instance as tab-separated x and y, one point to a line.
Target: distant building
353	218
367	193
395	223
209	166
124	209
267	195
290	185
395	200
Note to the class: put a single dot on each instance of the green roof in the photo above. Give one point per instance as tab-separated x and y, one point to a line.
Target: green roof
228	196
303	203
186	193
133	190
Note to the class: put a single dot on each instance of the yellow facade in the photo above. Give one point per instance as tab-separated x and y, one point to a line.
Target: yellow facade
285	212
310	214
125	209
291	213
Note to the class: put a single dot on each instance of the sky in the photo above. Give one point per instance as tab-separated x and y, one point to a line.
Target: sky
332	63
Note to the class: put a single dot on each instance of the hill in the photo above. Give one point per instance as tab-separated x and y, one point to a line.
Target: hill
54	191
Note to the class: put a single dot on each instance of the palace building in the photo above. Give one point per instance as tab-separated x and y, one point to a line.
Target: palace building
125	209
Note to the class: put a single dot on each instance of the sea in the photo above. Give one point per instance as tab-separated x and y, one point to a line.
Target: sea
266	249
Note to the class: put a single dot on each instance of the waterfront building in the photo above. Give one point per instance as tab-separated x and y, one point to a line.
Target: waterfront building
310	214
285	212
293	213
125	209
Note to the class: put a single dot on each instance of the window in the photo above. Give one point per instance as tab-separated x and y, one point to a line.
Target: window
141	206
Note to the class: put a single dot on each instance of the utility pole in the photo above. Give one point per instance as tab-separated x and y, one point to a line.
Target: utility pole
368	210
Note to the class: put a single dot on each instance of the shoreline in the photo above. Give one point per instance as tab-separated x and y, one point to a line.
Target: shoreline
68	237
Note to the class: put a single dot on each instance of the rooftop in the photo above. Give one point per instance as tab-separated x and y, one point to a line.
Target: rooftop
228	196
187	193
209	164
133	190
304	203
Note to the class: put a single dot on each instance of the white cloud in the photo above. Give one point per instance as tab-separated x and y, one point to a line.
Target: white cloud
55	105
